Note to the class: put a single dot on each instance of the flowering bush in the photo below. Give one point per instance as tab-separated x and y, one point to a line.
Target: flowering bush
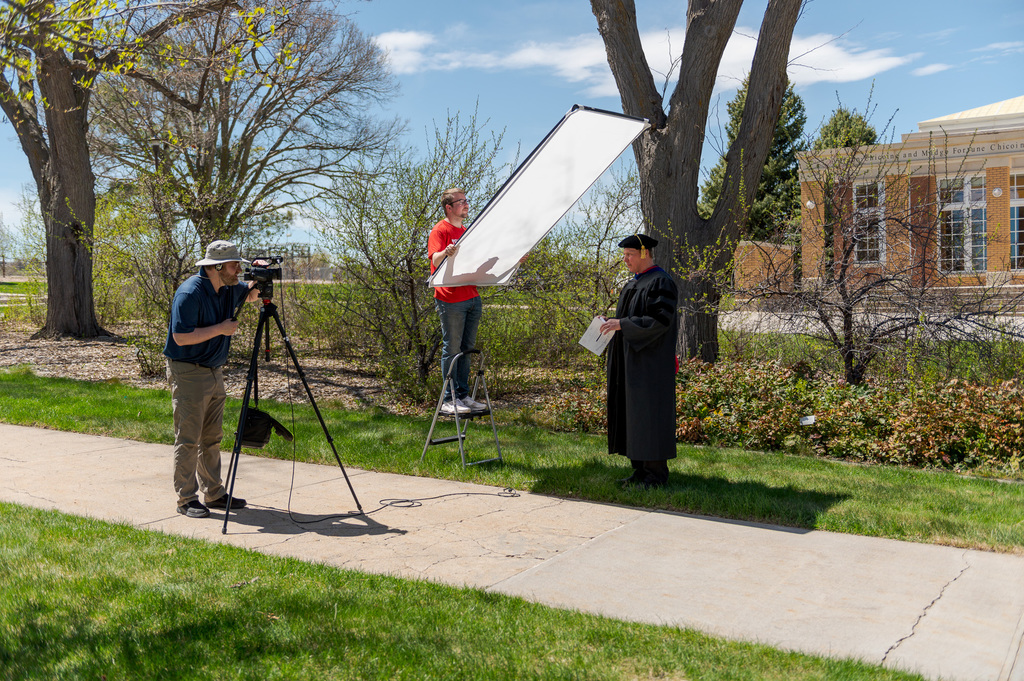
953	425
582	410
962	426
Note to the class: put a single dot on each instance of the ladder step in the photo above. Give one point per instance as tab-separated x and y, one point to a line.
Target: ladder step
475	463
442	440
469	415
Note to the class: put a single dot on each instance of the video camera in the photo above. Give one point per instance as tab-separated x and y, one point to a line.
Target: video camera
264	275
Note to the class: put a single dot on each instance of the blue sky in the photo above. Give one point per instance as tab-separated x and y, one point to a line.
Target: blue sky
524	64
527	63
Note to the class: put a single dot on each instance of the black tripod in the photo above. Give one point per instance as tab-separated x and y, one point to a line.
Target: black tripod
270	310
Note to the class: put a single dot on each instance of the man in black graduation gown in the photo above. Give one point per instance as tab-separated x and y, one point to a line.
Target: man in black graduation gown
642	367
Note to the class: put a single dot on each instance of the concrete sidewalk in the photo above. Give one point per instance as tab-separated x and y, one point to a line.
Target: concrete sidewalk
943	612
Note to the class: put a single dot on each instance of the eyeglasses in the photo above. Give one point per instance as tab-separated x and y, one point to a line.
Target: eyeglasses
465	201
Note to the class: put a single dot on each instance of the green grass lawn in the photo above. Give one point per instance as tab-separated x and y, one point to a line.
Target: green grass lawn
83	599
777	488
23	287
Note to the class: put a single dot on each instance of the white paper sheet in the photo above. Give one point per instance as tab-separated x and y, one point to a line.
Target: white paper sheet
593	339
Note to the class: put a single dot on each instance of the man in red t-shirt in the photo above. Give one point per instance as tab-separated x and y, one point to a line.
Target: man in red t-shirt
459	307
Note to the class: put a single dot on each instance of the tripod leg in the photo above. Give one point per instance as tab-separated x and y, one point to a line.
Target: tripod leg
312	400
266	346
250	380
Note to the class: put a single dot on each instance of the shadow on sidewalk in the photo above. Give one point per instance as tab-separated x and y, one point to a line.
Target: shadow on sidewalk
269	520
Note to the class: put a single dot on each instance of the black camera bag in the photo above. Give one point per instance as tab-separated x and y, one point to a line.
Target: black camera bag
258	427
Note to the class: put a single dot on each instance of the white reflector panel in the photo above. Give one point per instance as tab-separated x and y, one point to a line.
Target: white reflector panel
543	189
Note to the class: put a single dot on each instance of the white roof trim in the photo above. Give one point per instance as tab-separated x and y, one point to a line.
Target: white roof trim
1002	115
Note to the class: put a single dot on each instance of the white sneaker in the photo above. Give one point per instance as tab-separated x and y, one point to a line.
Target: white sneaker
473	404
451	406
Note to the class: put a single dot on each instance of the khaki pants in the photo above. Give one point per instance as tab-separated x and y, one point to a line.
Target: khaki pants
197	397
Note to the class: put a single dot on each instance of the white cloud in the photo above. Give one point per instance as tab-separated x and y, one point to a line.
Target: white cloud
826	58
582	59
406	49
930	69
579	59
942	36
1015	47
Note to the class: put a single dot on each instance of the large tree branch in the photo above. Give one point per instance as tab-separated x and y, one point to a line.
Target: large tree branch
765	92
616	21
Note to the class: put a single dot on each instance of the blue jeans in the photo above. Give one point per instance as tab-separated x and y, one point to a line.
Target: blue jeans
459	324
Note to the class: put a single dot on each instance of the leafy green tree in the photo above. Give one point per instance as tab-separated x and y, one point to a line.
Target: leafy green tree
51	55
31	239
845	128
377	229
142	253
777	201
277	131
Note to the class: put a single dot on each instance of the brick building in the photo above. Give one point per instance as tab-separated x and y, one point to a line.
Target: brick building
944	206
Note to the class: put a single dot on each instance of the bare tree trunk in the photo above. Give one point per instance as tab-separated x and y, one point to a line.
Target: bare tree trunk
59	160
67	198
697	252
70	309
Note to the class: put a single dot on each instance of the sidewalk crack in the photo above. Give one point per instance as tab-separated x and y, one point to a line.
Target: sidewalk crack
924	612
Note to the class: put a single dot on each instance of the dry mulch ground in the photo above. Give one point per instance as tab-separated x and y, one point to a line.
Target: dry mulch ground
107	359
331	380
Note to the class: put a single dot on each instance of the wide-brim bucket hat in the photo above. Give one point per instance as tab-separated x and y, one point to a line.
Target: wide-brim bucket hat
220	252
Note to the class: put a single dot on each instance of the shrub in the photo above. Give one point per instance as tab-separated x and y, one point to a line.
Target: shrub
954	425
961	426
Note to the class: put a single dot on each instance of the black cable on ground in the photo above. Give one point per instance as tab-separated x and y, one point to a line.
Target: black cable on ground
507	492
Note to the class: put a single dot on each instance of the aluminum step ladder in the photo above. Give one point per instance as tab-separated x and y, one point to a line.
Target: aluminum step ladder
462	420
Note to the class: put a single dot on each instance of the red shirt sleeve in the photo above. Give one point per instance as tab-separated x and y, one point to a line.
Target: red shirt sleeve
437	241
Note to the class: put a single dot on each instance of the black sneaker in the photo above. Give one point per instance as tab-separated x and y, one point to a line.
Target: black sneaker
236	502
194	509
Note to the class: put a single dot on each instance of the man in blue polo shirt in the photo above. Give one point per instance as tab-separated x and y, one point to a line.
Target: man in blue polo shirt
198	341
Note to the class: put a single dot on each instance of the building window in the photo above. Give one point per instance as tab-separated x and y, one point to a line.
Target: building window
868	223
1017	222
1016	227
866	196
1016	187
963	223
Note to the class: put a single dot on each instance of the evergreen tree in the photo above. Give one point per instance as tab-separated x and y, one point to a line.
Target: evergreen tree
845	129
777	201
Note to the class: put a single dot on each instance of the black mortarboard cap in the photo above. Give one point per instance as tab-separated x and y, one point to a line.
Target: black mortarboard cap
638	241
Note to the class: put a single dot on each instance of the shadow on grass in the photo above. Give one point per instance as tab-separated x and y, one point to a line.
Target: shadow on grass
597	479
